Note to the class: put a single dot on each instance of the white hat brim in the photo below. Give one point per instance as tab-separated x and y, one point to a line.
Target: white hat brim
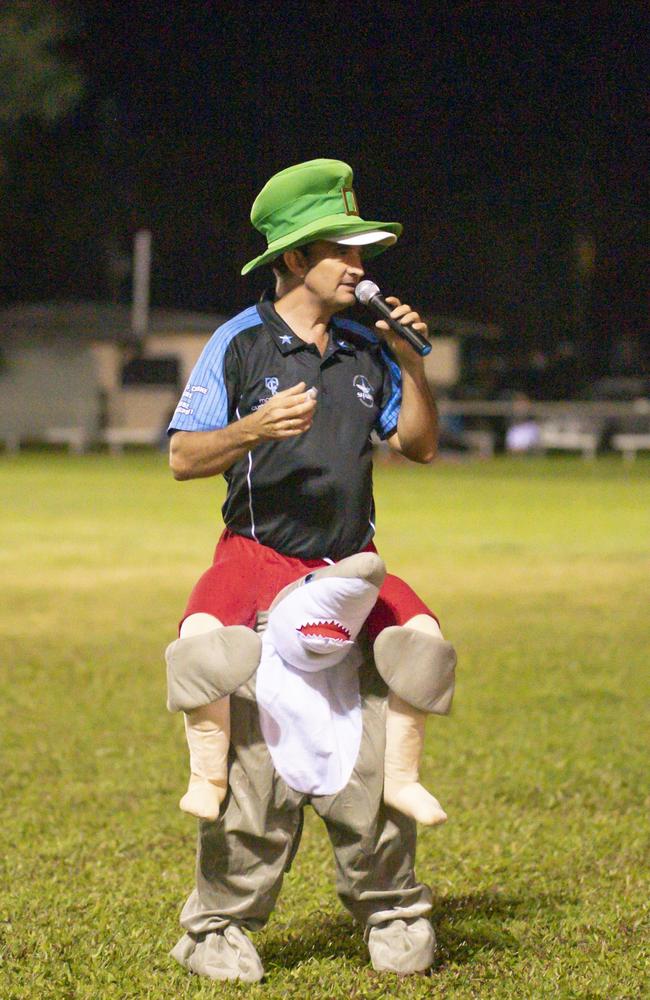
362	239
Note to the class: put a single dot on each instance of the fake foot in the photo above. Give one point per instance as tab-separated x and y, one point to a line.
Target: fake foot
413	800
406	947
220	955
203	798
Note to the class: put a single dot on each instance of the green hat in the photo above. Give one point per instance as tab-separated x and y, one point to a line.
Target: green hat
314	201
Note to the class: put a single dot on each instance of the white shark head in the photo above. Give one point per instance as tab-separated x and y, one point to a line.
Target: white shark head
313	623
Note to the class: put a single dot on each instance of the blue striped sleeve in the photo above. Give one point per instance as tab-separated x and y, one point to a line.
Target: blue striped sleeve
387	419
386	423
203	405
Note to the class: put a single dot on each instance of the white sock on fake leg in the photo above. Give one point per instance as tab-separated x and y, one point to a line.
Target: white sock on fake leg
404	743
207	730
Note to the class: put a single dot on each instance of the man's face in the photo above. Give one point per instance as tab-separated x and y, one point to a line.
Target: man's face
334	273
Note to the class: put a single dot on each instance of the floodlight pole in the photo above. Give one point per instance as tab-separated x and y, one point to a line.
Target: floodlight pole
141	282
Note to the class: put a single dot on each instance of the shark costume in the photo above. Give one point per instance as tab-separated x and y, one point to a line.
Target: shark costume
316	735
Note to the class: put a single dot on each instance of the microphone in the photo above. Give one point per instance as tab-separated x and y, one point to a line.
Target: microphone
368	294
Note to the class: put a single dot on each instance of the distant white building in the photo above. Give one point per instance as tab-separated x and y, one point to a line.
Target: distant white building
73	373
449	336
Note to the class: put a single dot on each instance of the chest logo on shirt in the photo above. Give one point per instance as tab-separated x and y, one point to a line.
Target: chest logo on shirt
271	384
365	392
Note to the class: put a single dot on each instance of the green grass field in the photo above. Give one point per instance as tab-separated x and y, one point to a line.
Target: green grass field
540	571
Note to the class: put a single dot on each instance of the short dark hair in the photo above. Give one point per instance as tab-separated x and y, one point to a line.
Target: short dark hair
279	265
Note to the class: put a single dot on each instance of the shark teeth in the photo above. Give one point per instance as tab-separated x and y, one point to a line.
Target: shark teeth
326	630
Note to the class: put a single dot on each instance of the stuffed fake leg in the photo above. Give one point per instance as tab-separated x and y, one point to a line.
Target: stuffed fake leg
418	666
204	666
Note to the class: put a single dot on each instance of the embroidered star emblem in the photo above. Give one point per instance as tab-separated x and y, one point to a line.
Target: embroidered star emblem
286	339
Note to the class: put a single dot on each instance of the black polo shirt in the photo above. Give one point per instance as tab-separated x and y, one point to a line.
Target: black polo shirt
308	496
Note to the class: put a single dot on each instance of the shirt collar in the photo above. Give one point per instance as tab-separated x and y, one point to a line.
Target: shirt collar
284	337
340	340
286	340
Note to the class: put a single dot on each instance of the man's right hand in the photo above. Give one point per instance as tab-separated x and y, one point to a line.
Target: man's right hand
287	414
194	454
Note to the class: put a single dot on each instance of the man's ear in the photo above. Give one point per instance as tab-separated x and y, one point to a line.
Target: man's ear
296	262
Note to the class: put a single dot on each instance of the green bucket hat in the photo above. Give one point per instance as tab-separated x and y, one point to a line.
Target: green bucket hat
312	201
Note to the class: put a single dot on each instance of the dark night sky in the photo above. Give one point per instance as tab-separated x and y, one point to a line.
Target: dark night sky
496	134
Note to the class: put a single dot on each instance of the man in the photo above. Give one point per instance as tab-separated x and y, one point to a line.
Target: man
283	402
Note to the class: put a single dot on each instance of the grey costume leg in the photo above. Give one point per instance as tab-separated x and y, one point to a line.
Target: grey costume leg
242	856
374	846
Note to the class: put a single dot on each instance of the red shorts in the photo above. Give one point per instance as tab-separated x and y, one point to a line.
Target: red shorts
245	577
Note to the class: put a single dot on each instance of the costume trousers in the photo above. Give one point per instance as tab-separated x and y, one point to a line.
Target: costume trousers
243	855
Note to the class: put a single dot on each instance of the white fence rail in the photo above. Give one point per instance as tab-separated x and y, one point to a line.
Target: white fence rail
566	425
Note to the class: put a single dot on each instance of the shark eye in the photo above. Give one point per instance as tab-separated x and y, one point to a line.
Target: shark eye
308	578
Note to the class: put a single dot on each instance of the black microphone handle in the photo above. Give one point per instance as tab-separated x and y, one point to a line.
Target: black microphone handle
419	343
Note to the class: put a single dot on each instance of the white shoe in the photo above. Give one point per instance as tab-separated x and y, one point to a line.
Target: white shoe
402	946
223	954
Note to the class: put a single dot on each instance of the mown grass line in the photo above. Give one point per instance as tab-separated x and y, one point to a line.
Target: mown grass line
540	573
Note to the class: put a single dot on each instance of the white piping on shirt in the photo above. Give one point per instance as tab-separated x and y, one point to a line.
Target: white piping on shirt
250	494
250	486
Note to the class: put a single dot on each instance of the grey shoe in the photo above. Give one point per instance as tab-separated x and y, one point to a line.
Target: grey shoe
226	954
402	946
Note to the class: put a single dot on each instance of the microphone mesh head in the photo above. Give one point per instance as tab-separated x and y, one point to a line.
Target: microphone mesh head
365	291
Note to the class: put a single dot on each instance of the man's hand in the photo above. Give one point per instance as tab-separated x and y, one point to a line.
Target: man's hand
287	414
416	436
400	347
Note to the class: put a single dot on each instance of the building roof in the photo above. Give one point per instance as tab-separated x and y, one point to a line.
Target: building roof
96	321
